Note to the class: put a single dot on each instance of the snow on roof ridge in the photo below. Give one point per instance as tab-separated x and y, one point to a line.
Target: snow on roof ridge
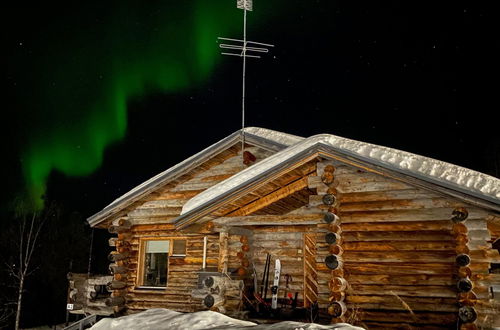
284	139
449	175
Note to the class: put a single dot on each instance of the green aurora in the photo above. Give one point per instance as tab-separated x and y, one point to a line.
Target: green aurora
90	71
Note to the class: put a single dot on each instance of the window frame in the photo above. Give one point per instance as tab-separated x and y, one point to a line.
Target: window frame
142	258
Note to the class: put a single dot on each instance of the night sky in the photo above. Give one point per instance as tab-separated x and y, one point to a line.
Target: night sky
101	95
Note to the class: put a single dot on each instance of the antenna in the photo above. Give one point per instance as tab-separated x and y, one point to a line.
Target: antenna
243	48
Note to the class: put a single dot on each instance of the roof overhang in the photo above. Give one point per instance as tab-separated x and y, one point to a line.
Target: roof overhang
261	137
468	185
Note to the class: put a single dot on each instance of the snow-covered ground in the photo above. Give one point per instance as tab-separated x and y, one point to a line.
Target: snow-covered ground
160	318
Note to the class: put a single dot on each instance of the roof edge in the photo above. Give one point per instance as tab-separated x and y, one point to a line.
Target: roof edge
261	137
446	175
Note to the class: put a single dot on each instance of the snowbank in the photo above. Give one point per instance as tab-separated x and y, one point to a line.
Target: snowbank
160	318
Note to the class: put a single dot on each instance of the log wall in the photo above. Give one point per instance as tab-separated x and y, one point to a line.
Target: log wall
400	248
397	244
285	243
182	271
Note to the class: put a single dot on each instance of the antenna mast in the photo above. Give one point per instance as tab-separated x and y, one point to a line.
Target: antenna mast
245	49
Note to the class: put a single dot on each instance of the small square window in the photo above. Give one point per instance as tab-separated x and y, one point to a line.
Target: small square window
179	248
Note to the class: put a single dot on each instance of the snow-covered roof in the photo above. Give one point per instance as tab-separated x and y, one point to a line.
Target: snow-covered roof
444	174
262	137
290	147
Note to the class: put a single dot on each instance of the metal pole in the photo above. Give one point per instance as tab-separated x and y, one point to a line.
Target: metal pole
243	82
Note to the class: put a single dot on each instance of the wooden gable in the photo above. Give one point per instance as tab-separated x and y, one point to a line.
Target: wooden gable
398	243
165	202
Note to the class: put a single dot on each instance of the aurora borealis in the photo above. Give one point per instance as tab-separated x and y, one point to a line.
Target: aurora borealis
86	77
73	71
99	96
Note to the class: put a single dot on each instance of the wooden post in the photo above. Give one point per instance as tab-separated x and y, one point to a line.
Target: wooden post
223	251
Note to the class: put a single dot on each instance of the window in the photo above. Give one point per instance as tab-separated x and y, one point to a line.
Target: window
156	263
179	248
153	263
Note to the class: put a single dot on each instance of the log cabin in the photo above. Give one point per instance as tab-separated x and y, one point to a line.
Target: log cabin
366	234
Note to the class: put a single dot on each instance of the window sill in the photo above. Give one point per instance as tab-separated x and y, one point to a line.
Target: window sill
150	289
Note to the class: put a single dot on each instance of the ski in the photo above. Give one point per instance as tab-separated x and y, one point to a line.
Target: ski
274	289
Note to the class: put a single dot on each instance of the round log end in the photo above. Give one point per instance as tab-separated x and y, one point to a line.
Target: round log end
328	199
464	285
208	301
459	214
244	239
330	217
329	169
209	282
337	309
332	238
462	260
245	248
333	262
327	177
467	314
337	284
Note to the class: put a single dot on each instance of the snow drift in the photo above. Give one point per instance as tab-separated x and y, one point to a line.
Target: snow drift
160	318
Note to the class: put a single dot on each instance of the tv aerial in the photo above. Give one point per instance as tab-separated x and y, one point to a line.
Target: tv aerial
243	48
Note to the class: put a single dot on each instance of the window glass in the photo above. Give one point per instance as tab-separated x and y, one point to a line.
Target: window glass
179	248
156	263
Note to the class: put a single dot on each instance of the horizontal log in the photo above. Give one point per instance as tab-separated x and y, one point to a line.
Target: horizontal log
372	325
163	203
116	285
264	236
123	221
185	194
398	236
405	316
394	302
189	186
367	196
279	252
436	225
405	290
270	220
155	212
421	279
270	198
192	260
400	204
399	268
397	256
356	184
406	215
399	246
115	301
273	244
115	256
118	229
